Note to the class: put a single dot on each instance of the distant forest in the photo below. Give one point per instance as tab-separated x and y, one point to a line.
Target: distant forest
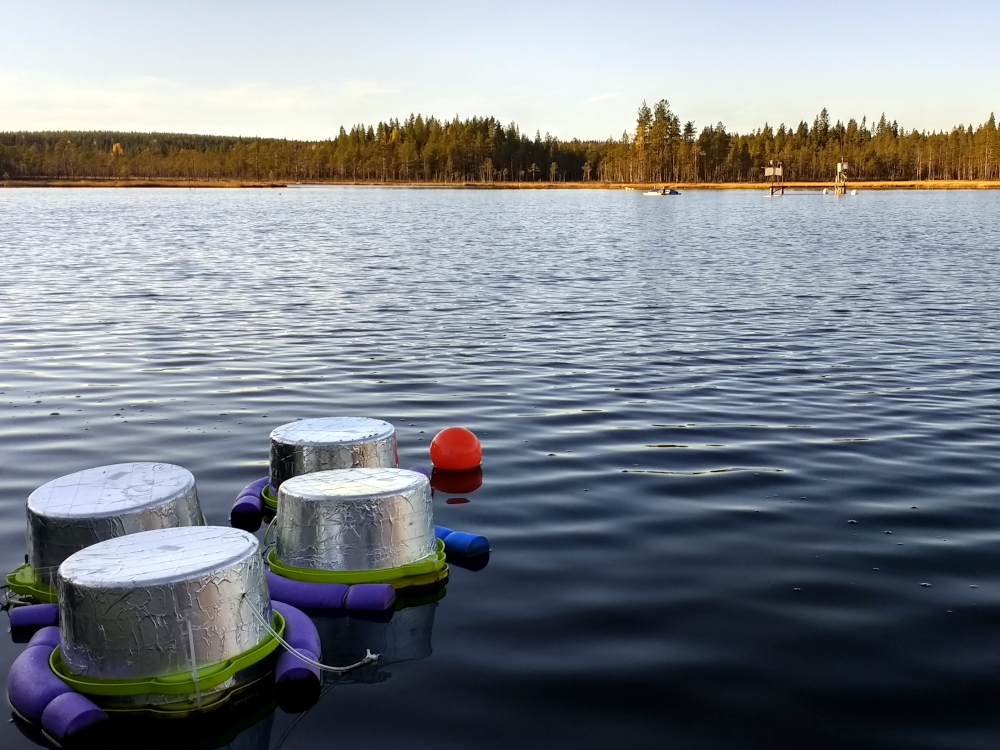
658	150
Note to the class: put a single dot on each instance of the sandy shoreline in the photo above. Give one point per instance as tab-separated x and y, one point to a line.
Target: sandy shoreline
166	183
158	183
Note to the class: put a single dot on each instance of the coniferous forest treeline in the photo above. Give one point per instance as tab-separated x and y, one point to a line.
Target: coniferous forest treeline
659	149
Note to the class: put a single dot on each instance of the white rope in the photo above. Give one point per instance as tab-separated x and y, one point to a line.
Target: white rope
369	656
267	533
194	666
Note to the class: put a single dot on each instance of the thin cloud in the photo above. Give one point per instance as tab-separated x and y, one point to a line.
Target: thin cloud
603	97
40	102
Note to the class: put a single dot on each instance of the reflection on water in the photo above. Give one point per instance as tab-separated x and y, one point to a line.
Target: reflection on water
681	407
406	636
457	482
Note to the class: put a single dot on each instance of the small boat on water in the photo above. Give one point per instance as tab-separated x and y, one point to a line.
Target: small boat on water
662	191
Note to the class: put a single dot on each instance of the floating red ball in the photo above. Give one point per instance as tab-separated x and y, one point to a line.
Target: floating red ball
456	449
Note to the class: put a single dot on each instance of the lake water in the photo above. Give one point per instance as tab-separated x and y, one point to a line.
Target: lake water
683	403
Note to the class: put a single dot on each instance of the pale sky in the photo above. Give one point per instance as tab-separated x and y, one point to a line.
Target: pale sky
302	69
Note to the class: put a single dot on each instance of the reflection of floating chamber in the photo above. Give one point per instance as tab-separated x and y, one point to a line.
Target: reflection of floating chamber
256	737
406	637
75	511
358	526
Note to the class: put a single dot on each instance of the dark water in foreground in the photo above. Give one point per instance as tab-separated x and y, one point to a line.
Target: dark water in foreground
682	403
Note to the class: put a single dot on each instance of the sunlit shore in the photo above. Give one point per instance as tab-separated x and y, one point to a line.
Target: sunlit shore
153	183
181	183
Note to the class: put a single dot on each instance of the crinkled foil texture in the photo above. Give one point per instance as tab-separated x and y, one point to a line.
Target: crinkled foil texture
134	607
406	637
76	511
326	444
355	520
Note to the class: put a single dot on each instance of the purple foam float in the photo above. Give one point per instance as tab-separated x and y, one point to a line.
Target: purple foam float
370	597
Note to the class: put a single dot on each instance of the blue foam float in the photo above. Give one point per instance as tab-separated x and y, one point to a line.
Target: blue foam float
461	544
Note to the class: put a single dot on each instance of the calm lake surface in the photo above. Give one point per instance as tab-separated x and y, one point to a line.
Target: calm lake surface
683	403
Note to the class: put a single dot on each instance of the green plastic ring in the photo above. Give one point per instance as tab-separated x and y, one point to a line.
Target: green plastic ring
24	581
178	684
267	498
420	573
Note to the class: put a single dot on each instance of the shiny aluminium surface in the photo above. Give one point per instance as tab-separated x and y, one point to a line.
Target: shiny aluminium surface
326	443
681	404
355	519
79	509
161	602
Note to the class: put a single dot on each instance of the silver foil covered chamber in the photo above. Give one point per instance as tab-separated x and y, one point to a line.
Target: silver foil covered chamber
162	602
81	509
355	520
329	443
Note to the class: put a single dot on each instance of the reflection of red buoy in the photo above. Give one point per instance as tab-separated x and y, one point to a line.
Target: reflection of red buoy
457	482
456	449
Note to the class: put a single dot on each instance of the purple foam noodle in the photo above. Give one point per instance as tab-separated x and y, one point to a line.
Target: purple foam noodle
248	509
371	597
300	632
306	595
297	684
247	513
290	669
31	683
48	636
34	616
70	714
256	486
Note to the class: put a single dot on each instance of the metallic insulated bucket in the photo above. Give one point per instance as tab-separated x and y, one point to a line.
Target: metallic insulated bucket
355	519
81	509
331	443
162	602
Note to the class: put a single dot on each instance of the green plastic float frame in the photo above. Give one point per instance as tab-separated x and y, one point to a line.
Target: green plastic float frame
421	573
178	684
24	581
268	499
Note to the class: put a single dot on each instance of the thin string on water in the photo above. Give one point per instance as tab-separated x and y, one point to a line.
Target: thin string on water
369	656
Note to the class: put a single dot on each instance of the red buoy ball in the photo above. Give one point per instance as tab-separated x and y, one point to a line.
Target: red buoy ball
456	449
